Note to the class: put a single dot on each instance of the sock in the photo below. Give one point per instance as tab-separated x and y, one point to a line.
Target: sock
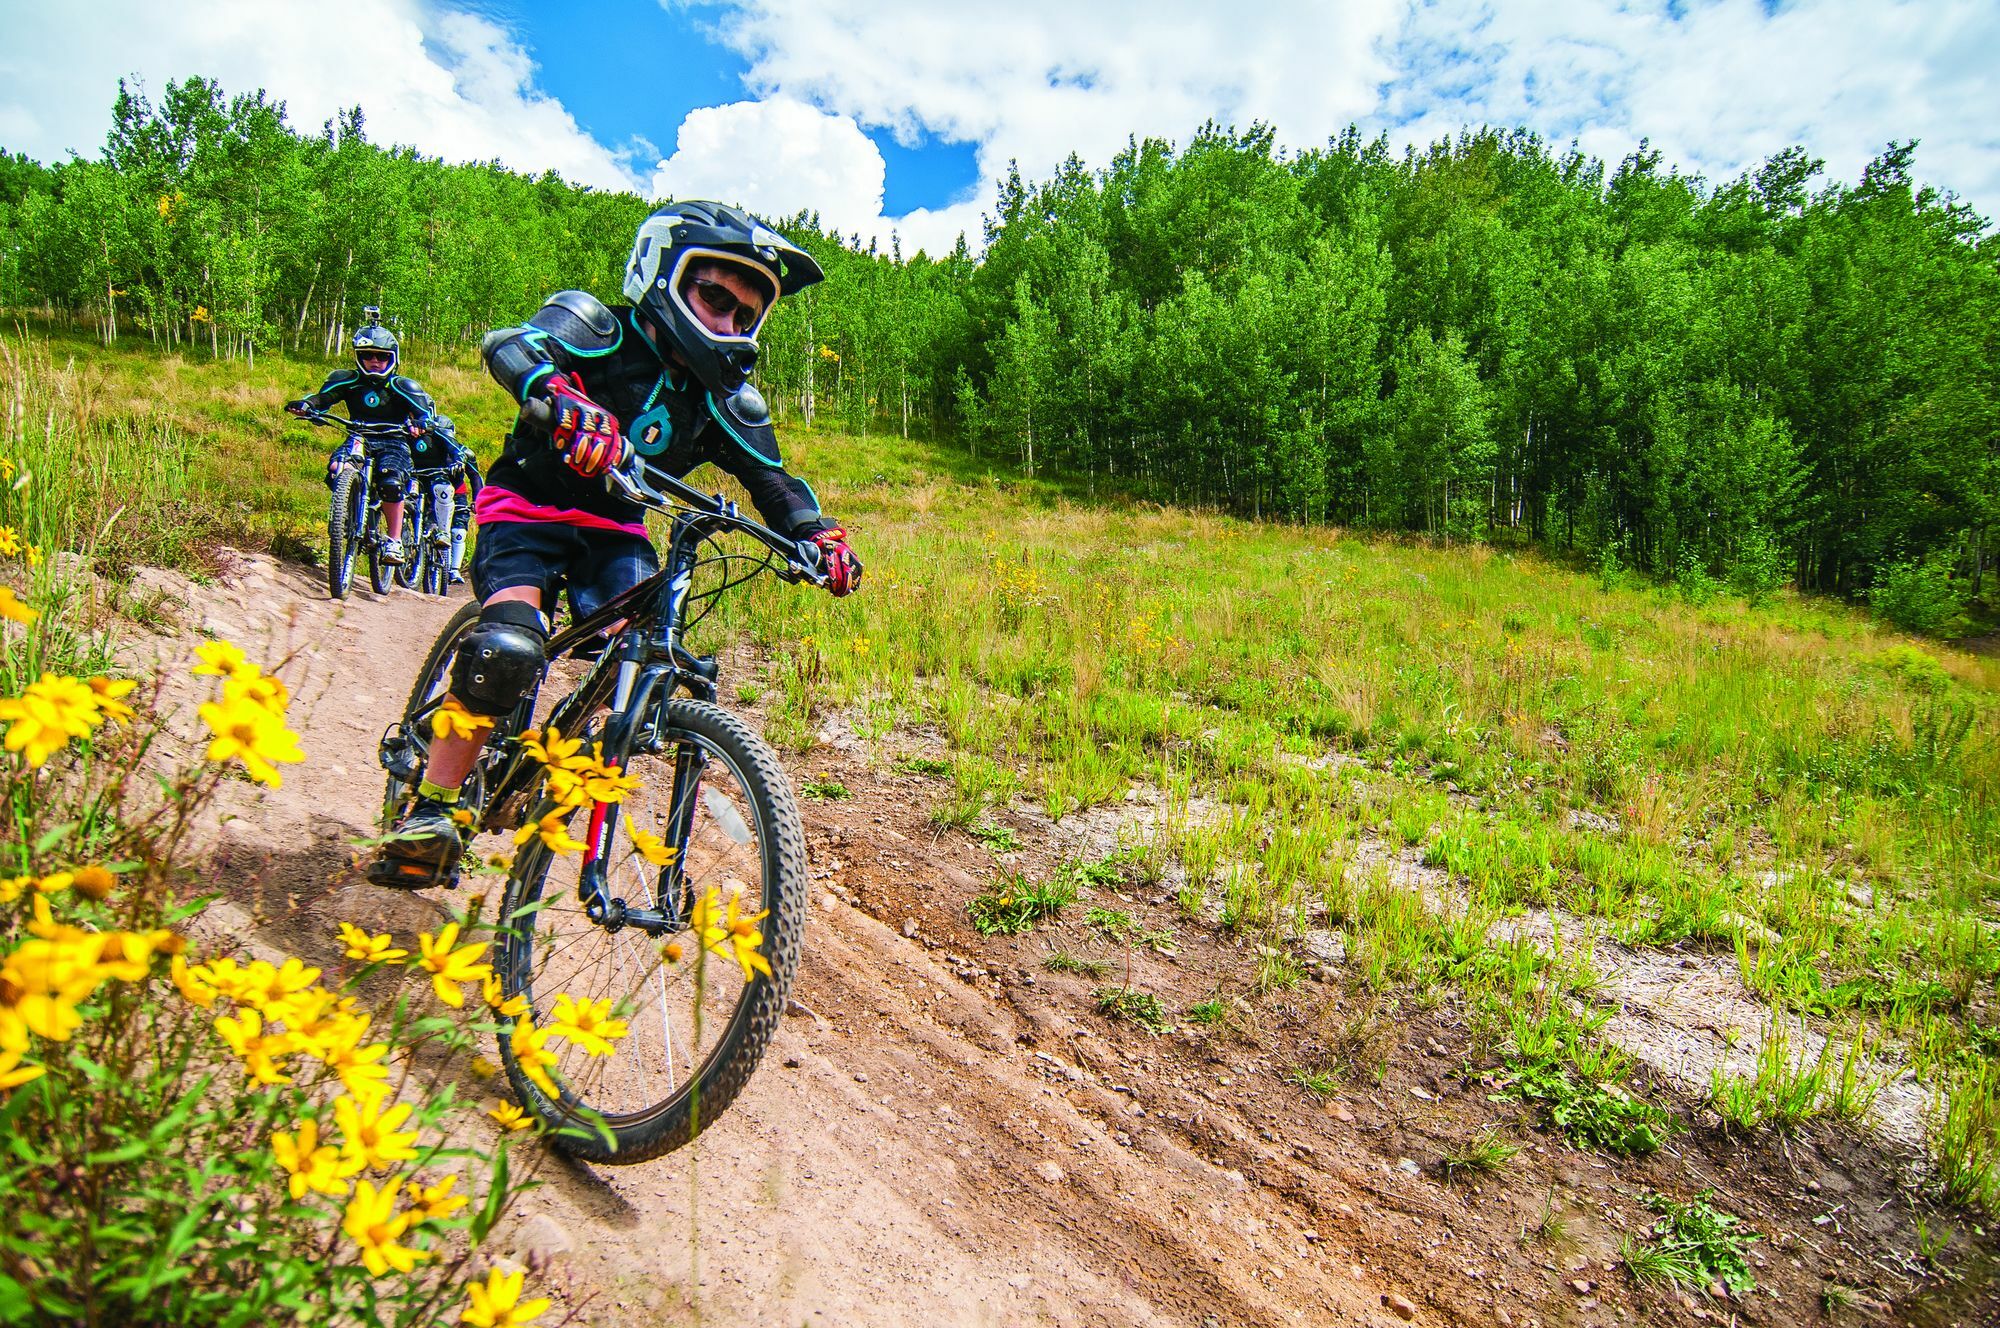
438	793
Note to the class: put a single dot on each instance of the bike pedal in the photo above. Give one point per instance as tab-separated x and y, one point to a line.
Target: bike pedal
403	874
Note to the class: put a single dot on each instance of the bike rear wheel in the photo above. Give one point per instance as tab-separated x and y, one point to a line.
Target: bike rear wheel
343	526
698	1023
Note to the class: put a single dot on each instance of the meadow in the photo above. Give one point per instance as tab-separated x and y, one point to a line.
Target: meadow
1789	781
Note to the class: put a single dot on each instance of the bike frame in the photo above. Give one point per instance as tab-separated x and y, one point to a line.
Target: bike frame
644	664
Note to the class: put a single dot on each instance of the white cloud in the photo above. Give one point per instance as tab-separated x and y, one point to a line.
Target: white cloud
776	157
453	84
1719	85
1716	84
1039	79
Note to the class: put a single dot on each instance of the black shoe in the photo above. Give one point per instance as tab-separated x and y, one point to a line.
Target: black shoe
423	851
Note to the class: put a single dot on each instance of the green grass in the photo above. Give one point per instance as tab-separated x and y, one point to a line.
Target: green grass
1139	1007
1759	768
1018	905
824	788
1692	1244
1479	1157
1062	961
1320	1083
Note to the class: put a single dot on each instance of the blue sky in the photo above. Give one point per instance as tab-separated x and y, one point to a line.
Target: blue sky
631	70
898	116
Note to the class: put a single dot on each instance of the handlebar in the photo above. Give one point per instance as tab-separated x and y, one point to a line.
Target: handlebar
362	427
636	483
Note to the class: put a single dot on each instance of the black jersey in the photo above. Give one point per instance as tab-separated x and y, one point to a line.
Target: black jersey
393	400
668	417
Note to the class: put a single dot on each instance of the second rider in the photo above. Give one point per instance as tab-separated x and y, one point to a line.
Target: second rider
666	374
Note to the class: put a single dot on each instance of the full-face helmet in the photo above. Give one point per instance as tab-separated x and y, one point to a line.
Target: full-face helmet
680	251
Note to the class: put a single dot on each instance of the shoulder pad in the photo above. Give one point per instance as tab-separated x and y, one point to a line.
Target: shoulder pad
407	388
587	307
338	379
746	418
580	321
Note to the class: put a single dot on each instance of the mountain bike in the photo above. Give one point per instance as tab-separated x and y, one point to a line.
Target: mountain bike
427	511
711	796
354	513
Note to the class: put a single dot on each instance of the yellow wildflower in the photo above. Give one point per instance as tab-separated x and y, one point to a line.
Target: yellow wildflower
10	542
436	1202
370	949
312	1164
251	733
12	609
372	1222
588	1024
496	1303
260	1051
368	1134
360	1068
449	967
34	555
554	831
110	693
54	883
273	984
530	1047
48	714
511	1117
224	659
734	935
52	976
653	848
11	887
453	720
192	986
94	883
14	1073
6	468
483	1068
507	1007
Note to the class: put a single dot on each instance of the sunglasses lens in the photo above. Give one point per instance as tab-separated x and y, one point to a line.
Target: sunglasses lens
720	299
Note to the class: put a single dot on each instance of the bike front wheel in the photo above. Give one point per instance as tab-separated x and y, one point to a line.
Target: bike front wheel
379	578
697	1018
412	566
343	530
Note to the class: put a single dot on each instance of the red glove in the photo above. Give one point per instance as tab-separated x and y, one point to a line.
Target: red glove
842	568
585	433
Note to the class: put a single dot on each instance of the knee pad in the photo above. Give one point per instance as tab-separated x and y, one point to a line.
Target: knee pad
500	659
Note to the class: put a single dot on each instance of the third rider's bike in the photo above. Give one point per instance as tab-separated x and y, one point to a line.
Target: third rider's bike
614	922
427	513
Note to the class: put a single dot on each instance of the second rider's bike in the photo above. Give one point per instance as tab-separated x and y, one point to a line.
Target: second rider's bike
354	514
677	886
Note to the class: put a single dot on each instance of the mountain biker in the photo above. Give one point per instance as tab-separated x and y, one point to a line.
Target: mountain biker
438	448
374	393
665	374
463	495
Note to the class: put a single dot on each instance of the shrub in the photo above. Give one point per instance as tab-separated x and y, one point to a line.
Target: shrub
1920	595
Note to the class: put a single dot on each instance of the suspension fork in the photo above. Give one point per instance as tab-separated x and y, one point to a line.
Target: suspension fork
635	693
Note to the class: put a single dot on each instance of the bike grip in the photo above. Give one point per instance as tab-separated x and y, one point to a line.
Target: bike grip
537	412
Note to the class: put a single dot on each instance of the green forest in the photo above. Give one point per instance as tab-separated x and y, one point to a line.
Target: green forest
1778	378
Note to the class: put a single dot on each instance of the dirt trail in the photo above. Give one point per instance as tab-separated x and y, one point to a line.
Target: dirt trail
925	1142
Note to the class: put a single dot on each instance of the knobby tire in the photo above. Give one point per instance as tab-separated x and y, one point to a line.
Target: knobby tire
637	1127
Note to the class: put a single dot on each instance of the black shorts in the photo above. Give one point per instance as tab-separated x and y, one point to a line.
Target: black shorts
595	566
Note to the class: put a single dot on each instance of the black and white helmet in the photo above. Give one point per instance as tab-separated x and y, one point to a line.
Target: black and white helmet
680	236
374	339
